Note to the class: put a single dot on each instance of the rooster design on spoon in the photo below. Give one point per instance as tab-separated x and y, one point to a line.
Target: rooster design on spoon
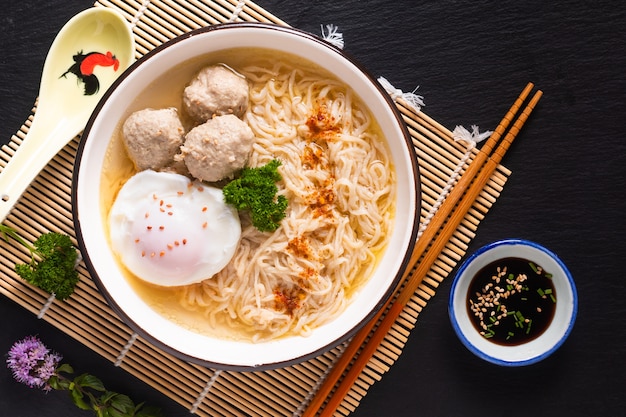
84	65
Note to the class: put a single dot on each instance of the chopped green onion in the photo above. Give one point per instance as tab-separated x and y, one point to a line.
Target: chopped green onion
533	266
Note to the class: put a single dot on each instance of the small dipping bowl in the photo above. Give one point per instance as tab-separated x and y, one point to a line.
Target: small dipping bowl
525	352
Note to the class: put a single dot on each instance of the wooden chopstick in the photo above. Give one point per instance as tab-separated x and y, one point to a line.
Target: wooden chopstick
465	191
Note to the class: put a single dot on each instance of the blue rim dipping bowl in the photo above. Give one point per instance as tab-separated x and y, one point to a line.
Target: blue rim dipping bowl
536	349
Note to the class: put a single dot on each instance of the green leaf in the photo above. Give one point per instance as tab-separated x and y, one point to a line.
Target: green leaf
107	396
112	412
120	406
123	402
54	382
255	191
78	399
55	271
66	368
89	381
64	384
25	272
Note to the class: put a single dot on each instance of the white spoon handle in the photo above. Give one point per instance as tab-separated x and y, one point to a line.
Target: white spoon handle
39	146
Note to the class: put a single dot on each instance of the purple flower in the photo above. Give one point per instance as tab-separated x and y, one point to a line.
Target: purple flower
32	362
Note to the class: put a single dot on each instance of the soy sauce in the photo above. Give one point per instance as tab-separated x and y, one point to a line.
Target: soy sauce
511	301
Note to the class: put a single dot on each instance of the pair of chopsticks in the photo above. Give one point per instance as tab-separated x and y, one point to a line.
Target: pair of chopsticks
427	249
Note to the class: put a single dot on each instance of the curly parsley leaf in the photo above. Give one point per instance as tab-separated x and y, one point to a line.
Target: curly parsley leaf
255	191
53	262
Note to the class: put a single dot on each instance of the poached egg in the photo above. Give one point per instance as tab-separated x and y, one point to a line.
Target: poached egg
171	231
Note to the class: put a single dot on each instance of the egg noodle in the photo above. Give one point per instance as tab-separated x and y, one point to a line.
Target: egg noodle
340	183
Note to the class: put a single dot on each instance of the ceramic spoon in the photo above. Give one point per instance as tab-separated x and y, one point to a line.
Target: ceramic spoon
90	51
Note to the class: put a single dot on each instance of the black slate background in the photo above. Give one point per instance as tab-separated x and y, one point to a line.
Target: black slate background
470	60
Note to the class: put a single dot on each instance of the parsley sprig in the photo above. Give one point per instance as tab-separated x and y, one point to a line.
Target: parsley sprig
255	191
53	262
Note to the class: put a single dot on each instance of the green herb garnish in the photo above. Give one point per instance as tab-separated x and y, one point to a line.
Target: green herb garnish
255	191
52	265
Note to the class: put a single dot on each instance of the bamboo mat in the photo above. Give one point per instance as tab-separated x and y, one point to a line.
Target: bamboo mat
85	316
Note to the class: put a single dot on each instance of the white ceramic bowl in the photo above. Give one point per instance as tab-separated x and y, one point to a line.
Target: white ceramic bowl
88	216
534	350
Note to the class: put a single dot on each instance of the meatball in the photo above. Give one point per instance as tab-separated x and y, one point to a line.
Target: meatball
216	90
153	137
218	148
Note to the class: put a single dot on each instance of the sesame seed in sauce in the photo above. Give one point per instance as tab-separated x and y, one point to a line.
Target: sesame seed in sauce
492	318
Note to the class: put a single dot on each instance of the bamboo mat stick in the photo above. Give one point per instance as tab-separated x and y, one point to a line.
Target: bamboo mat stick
483	167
